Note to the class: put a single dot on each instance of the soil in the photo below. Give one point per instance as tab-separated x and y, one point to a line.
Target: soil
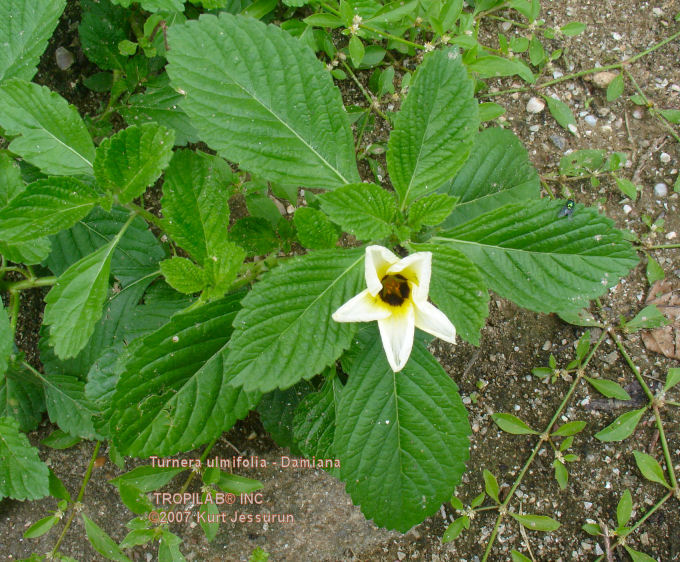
494	377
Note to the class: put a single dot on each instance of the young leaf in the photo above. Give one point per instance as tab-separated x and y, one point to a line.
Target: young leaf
536	51
46	207
561	474
430	210
23	476
583	346
490	111
573	28
183	275
224	65
654	271
401	437
236	484
672	115
491	485
160	414
40	527
363	209
168	547
209	527
627	187
498	172
138	537
609	388
531	256
314	229
492	66
134	499
512	424
356	50
147	478
650	468
622	427
255	235
102	542
53	136
103	26
562	114
569	428
615	88
624	509
536	522
454	530
518	557
592	529
222	268
648	318
435	128
672	378
637	556
60	439
295	302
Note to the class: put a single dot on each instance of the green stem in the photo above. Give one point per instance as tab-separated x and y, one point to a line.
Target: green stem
633	366
650	106
88	473
192	475
31	284
372	101
14	303
664	447
146	215
672	403
662	247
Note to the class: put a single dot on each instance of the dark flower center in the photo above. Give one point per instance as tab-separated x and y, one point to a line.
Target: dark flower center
395	289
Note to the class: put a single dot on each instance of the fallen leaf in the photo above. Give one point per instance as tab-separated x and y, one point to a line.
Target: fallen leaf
665	294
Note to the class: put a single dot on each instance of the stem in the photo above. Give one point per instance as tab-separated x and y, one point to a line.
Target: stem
633	367
14	303
205	453
650	106
373	102
146	215
88	473
662	246
664	446
31	284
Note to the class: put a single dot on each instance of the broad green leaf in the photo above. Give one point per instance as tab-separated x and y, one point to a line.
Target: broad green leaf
264	207
536	51
183	275
102	28
222	267
6	340
25	26
672	115
654	271
133	159
363	209
430	210
573	28
68	406
648	318
11	182
491	485
23	476
323	20
672	378
492	66
255	235
60	439
581	162
624	508
562	114
609	388
536	522
138	537
542	262
498	172
40	527
402	438
21	397
168	548
134	499
102	542
569	428
458	289
46	207
147	478
650	468
454	530
622	427
615	88
314	229
435	128
276	335
175	394
50	133
74	305
29	253
512	424
289	126
637	556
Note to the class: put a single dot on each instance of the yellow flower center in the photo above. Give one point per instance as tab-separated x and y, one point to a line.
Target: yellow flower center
395	290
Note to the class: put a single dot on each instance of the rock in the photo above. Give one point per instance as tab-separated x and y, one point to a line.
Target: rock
665	157
661	190
559	142
603	111
627	209
534	128
64	58
535	105
603	79
637	114
591	120
617	36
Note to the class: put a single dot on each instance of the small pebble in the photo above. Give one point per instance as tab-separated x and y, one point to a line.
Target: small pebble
603	79
547	345
658	12
591	120
627	209
64	58
535	128
671	235
535	105
660	190
637	114
559	142
665	157
617	36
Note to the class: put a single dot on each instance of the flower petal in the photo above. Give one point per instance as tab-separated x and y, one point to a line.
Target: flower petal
417	268
361	308
396	333
433	321
377	262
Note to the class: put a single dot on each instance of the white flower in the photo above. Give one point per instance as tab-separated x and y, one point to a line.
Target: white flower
396	296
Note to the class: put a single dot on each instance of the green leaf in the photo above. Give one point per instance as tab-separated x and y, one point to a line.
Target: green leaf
133	159
237	484
183	275
50	133
512	424
622	427
255	235
68	406
573	28
581	162
6	341
609	388
23	476
492	66
650	468
314	229
562	114
491	485
302	133
430	210
498	172
672	115
40	527
402	438
60	439
536	522
654	271
138	537
624	509
102	542
627	187
147	478
435	128
209	527
672	378
536	51
615	88
74	304
103	26
11	182
264	207
175	393
544	263
275	341
454	530
46	207
21	397
363	209
134	499
222	268
323	20
637	556
478	500
29	253
592	529
648	318
569	428
356	50
25	26
168	548
518	557
458	289
490	111
561	474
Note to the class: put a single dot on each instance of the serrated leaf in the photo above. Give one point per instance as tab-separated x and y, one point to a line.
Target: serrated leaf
624	508
498	172
512	424
255	235
133	159
569	428
536	522
622	427
401	437
435	128
562	114
650	468
23	476
536	51
68	406
168	548
292	129
262	206
147	478
102	542
430	210
103	26
222	267
50	133
25	26
138	537
458	290
314	229
491	485
21	397
363	209
170	373
46	207
648	318
183	275
11	182
454	530
561	474
672	378
637	556
276	335
134	499
544	263
609	388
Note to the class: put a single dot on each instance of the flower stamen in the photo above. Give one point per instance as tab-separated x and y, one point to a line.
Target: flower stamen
395	290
